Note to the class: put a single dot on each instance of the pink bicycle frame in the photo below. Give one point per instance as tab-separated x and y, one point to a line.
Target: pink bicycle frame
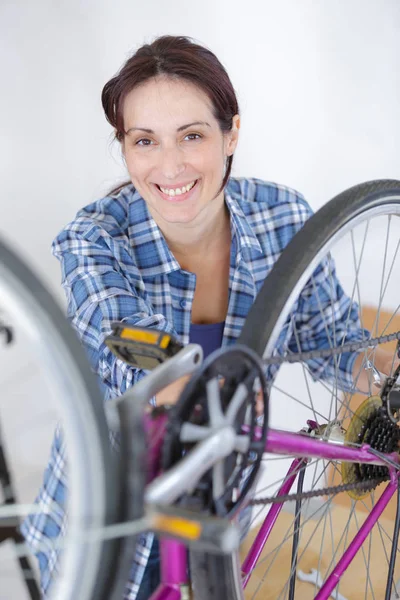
174	573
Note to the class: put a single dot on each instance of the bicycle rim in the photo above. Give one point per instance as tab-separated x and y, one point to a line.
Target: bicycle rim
346	229
39	322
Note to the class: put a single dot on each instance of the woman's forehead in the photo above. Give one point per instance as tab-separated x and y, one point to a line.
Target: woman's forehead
160	100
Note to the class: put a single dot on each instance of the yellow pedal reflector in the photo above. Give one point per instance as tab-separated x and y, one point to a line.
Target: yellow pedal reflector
138	335
183	528
165	341
360	417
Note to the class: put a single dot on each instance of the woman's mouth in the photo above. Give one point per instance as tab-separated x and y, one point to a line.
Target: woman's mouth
177	194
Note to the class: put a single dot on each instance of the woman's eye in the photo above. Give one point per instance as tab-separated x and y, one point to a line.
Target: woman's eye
143	140
191	135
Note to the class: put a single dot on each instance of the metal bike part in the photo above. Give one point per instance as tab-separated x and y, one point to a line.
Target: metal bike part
390	395
182	477
332	432
393	554
129	421
220	394
200	531
183	363
315	577
296	536
377	376
141	347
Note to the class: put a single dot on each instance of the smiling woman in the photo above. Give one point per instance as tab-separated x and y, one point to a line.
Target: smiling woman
181	247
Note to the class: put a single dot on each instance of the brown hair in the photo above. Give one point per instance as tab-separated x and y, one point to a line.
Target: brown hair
180	58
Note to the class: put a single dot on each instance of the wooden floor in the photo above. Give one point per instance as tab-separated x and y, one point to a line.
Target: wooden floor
354	581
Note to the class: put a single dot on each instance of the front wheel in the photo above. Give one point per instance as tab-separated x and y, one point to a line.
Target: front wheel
46	380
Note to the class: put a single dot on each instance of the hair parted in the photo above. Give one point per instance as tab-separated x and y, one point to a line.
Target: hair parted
177	57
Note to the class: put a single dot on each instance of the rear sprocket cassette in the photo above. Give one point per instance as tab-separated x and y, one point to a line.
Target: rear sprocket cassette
371	425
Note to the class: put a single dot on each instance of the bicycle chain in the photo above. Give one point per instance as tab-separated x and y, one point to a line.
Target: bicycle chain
328	352
367	484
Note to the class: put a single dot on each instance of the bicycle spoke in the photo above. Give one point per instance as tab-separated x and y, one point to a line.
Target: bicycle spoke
357	266
277	548
304	369
288	395
282	480
304	522
375	326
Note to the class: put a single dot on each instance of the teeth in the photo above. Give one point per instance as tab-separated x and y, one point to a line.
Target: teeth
178	191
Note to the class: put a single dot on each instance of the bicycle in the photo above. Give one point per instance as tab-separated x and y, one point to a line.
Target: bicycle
213	431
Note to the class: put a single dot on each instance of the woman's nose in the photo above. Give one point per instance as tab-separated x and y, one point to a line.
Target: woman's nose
171	163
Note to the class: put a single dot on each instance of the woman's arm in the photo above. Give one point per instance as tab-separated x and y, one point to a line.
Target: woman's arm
98	294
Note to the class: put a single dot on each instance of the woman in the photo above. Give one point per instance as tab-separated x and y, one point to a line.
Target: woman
182	247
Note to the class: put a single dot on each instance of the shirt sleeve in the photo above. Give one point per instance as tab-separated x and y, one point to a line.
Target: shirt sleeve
326	317
99	293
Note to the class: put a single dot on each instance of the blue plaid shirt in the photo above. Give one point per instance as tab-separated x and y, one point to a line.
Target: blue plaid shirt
117	266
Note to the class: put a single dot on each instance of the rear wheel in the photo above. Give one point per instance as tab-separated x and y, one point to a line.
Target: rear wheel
300	308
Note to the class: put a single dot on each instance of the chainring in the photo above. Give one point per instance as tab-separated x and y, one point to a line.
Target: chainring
233	366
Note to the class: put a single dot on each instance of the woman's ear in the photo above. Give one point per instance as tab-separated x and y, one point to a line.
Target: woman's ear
233	136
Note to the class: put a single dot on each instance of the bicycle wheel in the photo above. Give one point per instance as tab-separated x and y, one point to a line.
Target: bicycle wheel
46	352
301	307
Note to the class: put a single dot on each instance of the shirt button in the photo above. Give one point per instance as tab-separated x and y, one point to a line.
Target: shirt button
182	303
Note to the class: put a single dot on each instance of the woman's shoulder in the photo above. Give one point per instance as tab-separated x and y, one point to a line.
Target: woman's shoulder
263	194
271	211
108	216
113	209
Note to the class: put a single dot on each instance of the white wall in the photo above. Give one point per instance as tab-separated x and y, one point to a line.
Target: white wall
318	84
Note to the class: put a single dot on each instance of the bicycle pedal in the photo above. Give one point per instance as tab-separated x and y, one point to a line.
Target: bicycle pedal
203	532
141	347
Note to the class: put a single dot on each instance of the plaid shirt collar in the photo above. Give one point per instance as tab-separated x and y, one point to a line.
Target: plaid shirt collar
245	244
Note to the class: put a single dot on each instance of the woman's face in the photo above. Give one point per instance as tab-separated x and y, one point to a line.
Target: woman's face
172	141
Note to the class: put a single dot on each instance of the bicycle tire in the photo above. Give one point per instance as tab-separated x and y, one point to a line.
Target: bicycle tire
215	577
89	565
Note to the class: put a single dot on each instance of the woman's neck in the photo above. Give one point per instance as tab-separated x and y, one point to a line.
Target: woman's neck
203	237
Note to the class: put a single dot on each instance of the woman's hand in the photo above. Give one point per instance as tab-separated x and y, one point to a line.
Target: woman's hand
171	393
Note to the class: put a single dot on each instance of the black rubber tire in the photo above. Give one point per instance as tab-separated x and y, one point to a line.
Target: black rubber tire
313	236
216	577
55	321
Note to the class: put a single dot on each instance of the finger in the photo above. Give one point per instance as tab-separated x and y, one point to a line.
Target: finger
259	404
